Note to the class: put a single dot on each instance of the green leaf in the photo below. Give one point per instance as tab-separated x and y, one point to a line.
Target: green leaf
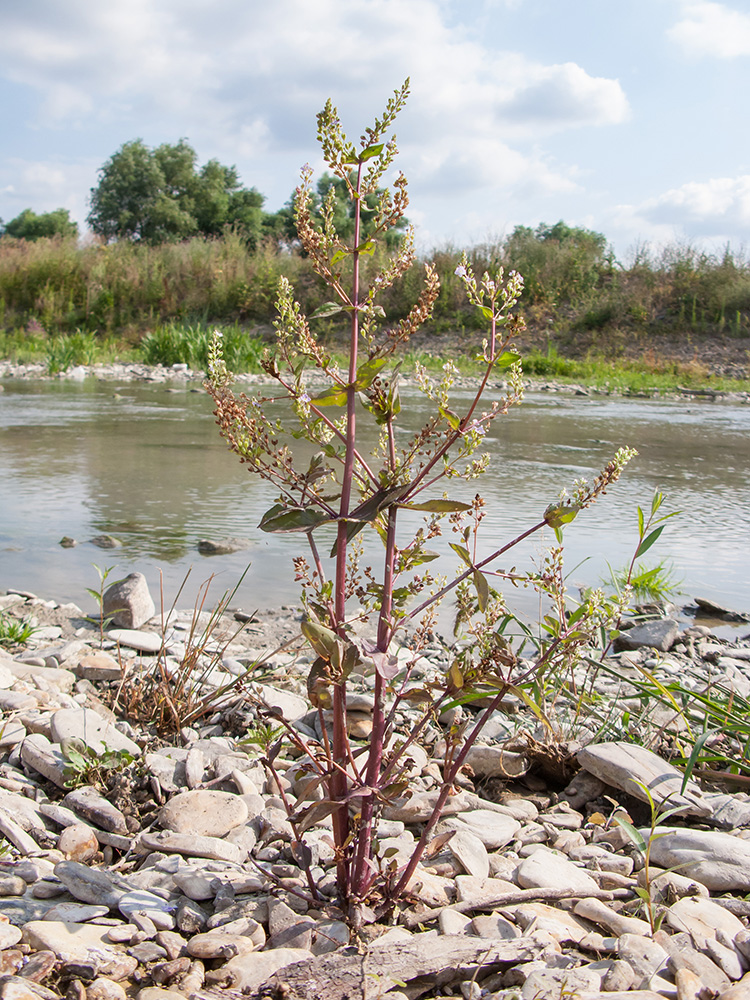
463	552
280	518
483	590
558	514
368	371
648	541
438	506
323	640
339	255
453	418
327	309
371	151
693	758
334	395
635	835
640	523
487	313
506	359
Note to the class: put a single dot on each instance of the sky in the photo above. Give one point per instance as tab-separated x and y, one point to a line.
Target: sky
629	118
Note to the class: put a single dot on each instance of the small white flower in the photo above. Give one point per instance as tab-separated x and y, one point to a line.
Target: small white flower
460	271
304	398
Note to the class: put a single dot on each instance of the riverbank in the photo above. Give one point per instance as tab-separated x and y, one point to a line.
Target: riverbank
608	383
144	857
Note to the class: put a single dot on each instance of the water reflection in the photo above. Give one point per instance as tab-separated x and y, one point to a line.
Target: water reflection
146	464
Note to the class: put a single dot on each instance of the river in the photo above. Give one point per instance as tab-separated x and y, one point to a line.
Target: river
145	463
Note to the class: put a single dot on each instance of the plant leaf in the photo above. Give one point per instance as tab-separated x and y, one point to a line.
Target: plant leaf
648	541
483	590
438	506
370	151
327	309
280	518
463	552
334	395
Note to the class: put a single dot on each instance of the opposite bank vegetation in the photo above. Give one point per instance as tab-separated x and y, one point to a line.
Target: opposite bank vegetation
681	317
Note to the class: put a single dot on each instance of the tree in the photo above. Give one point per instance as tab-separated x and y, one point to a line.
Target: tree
159	195
559	263
30	226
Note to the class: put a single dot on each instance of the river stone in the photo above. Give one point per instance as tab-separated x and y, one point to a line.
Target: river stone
223	546
97	733
561	924
91	885
44	757
291	706
218	944
128	602
623	764
494	761
11	734
105	989
470	852
545	869
12	885
192	846
247	973
642	954
718	860
560	982
599	913
659	635
46	677
78	842
79	943
19	910
75	913
144	642
9	936
91	805
494	829
203	813
702	918
98	665
106	542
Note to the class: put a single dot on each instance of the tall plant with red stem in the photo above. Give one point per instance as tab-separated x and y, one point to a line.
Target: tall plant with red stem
345	491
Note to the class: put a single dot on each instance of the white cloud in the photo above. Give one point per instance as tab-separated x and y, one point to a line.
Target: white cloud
45	186
706	28
242	81
716	209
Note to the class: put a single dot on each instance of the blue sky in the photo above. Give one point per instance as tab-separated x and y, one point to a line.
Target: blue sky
630	118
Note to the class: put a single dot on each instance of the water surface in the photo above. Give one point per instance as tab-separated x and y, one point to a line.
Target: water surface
145	463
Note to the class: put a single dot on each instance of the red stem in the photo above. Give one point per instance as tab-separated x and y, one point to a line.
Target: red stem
339	781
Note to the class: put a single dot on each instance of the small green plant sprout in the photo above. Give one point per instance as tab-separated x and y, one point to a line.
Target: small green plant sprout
643	841
650	529
647	583
336	492
85	765
98	595
15	631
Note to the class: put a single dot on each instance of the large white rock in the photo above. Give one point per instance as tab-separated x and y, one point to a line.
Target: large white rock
494	829
87	725
702	918
718	860
624	765
128	602
83	943
204	813
545	869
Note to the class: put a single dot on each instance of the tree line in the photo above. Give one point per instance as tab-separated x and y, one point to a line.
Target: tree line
160	195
